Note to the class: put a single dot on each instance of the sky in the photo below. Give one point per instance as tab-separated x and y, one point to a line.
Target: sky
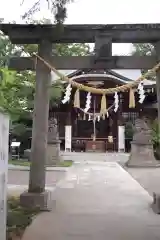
92	12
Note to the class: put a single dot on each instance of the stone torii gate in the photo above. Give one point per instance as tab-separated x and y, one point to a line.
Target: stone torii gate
44	35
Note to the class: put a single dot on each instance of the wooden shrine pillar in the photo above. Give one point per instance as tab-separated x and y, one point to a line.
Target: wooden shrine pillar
115	130
36	195
121	127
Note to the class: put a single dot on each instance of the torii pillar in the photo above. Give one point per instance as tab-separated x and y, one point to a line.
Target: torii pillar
36	194
157	49
156	196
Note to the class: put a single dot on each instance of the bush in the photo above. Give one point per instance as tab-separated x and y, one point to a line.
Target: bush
156	138
129	131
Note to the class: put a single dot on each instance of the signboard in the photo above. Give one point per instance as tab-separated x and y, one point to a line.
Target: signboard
121	138
68	138
4	137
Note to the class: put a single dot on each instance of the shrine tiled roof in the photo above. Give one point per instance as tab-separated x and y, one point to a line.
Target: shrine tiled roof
121	75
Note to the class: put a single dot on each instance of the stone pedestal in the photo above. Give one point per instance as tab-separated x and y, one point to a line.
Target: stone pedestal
142	156
53	153
141	147
42	201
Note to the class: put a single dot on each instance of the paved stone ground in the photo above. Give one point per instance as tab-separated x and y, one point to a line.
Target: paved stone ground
97	201
18	181
149	178
85	156
17	177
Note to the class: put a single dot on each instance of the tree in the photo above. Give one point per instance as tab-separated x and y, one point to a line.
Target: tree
7	50
67	49
143	49
57	7
17	89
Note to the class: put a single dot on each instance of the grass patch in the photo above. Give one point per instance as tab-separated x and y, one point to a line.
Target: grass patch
66	163
23	163
18	218
19	163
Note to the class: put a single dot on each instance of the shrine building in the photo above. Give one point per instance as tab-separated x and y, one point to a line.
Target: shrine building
109	132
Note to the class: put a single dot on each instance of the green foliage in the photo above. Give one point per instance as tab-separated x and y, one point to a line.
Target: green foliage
17	97
144	49
76	49
156	138
17	90
18	218
7	50
129	131
57	7
18	129
155	133
66	163
56	92
16	93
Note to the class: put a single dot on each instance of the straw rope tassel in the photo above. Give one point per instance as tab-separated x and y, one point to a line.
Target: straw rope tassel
77	99
132	103
103	105
80	86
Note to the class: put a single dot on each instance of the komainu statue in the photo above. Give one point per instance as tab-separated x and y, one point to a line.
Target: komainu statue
52	130
141	147
53	148
142	132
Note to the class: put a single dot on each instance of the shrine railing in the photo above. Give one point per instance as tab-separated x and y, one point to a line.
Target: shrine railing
79	144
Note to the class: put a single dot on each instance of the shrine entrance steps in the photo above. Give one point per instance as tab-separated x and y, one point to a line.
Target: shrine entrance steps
105	157
97	200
